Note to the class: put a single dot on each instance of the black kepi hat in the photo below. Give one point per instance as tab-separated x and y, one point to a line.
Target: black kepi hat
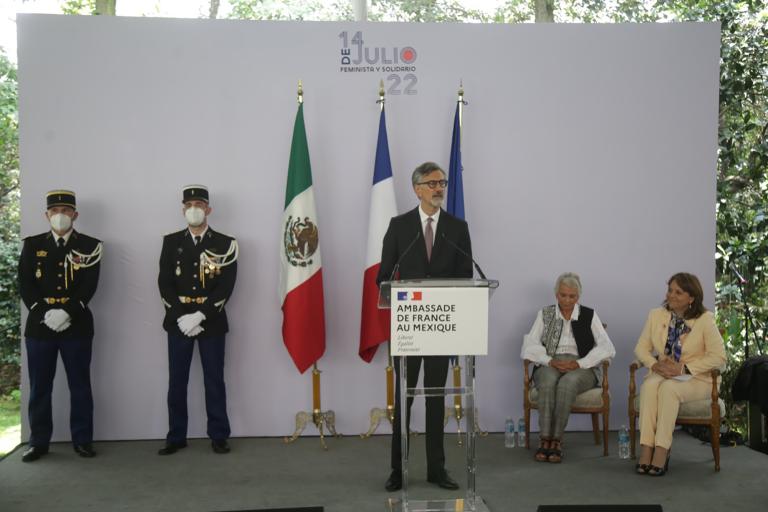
195	192
60	198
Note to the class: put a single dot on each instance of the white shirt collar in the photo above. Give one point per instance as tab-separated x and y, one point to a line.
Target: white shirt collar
574	315
423	216
65	236
201	235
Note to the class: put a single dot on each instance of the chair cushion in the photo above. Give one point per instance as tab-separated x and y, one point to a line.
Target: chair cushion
694	410
592	398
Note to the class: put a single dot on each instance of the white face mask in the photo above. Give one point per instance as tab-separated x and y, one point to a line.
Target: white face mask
195	216
60	222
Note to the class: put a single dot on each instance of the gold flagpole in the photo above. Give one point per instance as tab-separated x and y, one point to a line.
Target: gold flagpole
457	411
318	417
377	413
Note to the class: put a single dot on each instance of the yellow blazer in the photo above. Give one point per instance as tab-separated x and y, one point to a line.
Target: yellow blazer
702	348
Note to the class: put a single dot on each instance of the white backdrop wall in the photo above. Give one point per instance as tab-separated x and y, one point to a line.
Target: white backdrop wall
587	148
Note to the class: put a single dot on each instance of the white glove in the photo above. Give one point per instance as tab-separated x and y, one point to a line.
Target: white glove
64	326
190	321
196	331
56	319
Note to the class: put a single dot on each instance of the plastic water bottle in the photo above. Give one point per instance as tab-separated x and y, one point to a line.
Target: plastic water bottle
521	433
509	433
623	443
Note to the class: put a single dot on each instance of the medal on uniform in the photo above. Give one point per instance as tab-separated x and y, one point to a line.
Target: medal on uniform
178	270
207	271
38	273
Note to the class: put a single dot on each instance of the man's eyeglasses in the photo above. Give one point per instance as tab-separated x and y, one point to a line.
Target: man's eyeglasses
434	183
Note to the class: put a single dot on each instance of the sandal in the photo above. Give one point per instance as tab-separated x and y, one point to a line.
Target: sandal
657	471
542	454
646	452
555	452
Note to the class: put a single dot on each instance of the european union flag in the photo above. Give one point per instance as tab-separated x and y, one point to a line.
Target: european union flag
455	200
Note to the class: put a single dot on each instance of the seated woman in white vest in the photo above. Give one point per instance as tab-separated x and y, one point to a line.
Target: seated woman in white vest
567	343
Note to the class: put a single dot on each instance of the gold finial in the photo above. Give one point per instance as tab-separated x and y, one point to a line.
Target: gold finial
300	94
381	94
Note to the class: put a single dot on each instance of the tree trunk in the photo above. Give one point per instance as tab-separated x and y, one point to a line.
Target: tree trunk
545	11
214	10
105	7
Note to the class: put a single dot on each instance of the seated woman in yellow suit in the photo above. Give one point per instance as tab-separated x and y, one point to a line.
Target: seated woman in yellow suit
681	344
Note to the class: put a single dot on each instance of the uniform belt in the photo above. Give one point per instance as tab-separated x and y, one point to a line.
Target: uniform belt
192	300
56	300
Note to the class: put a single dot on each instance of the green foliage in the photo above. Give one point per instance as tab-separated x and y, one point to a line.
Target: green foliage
9	222
79	7
10	336
298	10
424	11
9	140
10	410
515	11
742	184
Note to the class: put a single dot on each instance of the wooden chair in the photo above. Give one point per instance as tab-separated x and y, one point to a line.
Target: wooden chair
697	412
595	401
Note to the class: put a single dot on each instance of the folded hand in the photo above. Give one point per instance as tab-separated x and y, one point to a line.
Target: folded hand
187	323
57	319
564	366
667	368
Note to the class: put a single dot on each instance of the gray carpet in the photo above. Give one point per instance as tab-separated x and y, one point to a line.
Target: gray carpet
349	477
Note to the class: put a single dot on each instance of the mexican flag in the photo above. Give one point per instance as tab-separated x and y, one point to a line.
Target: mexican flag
301	273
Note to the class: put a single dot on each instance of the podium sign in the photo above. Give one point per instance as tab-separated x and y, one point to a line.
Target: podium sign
438	317
428	321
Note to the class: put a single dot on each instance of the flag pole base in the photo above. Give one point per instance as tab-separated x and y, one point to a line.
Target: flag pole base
320	419
378	414
457	412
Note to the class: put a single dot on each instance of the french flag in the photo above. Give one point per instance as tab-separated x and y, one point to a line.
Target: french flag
374	322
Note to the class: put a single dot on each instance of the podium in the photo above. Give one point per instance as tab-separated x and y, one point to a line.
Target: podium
438	317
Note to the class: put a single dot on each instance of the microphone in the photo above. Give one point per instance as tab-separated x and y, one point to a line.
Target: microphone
741	278
465	253
400	259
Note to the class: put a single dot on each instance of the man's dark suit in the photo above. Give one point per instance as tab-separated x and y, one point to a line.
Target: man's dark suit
446	262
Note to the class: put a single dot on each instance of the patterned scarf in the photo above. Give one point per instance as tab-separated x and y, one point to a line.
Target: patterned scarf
677	329
553	328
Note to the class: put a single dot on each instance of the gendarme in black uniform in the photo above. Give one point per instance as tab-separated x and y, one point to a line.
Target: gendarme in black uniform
58	275
197	276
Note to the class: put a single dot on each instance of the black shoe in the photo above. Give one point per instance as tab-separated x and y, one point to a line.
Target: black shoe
444	482
85	450
220	446
33	453
394	482
171	448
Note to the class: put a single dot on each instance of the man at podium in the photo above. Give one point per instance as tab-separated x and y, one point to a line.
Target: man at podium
424	243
